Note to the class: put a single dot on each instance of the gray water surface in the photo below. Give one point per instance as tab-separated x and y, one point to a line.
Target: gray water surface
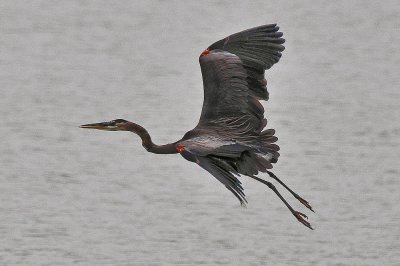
71	196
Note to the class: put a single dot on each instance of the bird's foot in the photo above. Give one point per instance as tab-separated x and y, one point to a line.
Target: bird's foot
304	202
300	217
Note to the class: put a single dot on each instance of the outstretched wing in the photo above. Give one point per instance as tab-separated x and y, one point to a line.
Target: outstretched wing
223	172
233	77
220	169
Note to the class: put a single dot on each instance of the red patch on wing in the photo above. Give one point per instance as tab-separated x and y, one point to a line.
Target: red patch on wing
180	148
205	52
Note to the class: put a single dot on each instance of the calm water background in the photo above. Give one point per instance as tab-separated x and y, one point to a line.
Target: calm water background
72	196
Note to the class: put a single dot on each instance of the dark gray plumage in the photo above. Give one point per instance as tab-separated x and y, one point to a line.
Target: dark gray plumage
230	139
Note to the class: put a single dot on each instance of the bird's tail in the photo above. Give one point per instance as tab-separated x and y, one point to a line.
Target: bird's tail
268	146
261	156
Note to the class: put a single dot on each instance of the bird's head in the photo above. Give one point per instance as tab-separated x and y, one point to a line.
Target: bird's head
113	125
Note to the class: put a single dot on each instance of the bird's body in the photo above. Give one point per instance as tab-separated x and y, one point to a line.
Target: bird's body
230	139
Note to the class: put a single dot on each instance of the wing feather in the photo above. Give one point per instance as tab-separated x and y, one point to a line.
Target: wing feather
223	174
233	77
258	48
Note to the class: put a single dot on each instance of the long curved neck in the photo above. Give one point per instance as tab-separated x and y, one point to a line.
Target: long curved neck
147	143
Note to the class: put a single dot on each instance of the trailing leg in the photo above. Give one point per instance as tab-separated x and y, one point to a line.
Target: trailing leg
303	201
300	216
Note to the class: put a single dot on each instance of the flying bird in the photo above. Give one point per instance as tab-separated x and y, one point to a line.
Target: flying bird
230	138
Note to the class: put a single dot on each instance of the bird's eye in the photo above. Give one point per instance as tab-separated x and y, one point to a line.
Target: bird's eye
111	123
119	120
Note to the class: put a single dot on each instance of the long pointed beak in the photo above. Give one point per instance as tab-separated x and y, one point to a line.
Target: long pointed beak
100	126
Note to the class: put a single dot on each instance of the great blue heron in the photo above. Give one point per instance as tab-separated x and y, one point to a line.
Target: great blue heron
230	139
